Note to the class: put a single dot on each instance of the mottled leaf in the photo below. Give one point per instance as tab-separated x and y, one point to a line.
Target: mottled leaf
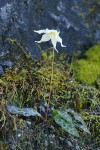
68	127
84	128
23	111
65	116
78	118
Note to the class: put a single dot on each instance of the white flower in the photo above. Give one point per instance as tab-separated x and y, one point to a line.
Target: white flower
52	35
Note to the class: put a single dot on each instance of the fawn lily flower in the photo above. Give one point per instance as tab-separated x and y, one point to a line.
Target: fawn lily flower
52	35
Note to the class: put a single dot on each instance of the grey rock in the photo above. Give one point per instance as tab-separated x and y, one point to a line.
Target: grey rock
8	63
1	70
79	25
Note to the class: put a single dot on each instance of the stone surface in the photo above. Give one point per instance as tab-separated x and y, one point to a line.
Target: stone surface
78	22
1	70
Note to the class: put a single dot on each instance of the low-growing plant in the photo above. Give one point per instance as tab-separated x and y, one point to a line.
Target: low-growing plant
70	121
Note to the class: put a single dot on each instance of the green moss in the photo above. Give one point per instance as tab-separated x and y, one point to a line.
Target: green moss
28	84
88	69
93	54
93	123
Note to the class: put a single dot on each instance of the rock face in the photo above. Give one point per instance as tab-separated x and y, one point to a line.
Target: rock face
78	22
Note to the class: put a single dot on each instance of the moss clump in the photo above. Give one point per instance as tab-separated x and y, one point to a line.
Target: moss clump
88	69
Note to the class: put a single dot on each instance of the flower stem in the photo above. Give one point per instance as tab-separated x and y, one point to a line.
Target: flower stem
50	91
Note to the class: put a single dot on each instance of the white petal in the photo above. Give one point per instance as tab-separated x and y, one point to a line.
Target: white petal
41	31
44	38
54	43
49	31
56	50
60	41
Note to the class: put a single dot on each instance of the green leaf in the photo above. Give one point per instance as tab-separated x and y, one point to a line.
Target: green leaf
55	112
78	118
65	116
68	127
83	127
